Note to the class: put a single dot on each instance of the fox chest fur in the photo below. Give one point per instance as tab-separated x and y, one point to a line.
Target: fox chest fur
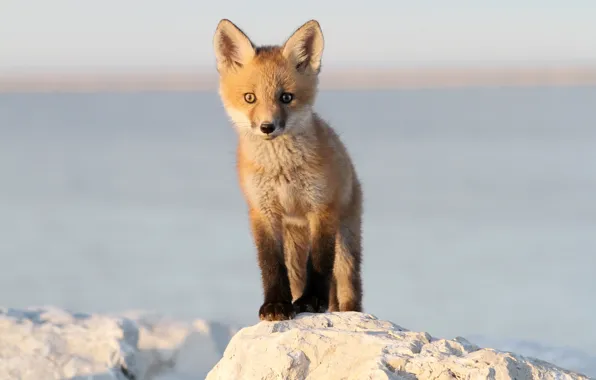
285	178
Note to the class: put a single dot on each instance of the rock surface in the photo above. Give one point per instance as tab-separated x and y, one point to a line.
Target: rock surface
49	343
356	346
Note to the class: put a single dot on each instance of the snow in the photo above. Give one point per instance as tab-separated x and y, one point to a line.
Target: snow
53	343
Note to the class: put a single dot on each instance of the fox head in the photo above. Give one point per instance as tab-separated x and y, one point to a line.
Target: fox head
268	91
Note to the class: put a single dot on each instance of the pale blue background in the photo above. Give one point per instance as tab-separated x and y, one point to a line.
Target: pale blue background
69	34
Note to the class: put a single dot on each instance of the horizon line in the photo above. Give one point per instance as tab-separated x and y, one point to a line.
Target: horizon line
355	78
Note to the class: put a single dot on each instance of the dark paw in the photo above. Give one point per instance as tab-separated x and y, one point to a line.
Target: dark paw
310	304
276	311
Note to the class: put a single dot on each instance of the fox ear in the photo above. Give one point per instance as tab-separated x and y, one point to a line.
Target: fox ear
305	47
232	47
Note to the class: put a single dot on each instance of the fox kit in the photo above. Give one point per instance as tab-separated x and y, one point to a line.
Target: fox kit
303	194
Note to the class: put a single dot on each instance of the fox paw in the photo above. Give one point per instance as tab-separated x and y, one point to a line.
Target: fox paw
310	304
276	311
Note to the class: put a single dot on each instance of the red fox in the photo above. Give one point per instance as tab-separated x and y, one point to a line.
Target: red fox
300	185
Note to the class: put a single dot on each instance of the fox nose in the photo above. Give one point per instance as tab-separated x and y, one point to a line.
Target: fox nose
267	128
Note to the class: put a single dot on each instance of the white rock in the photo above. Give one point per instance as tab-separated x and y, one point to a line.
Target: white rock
356	346
49	343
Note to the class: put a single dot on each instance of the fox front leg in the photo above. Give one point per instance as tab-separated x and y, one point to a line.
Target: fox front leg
277	304
319	267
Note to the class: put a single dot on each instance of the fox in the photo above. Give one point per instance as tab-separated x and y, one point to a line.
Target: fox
297	178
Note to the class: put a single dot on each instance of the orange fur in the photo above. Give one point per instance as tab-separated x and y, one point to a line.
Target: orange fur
296	175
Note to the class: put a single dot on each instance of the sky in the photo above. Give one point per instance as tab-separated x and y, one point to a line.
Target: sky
116	34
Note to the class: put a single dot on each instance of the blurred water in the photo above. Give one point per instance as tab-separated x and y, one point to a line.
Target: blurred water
480	210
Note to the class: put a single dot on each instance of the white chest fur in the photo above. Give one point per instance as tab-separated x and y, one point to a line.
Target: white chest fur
288	182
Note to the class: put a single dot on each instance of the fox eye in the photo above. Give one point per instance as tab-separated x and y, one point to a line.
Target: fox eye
249	97
286	97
